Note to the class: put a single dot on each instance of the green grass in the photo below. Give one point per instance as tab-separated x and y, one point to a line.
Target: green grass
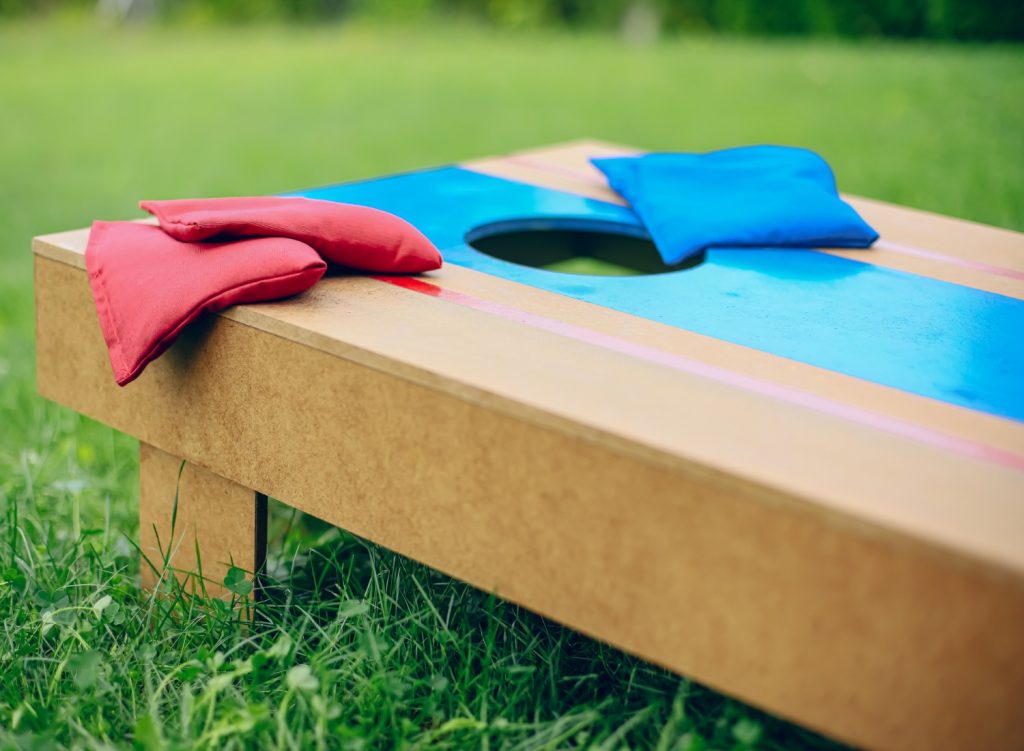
360	648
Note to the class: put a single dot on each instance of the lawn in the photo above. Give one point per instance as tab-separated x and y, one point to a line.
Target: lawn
362	649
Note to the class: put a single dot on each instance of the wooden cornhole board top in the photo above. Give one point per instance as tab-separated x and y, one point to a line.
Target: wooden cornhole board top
781	510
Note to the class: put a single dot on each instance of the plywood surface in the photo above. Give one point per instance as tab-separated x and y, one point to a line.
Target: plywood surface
910	475
678	496
181	505
807	614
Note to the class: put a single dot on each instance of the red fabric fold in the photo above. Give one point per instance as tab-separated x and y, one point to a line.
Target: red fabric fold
357	237
148	286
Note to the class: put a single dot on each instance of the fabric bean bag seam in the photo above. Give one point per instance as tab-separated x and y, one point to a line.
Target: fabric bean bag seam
157	349
106	313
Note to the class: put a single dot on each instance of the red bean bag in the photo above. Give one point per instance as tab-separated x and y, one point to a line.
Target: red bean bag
357	237
148	285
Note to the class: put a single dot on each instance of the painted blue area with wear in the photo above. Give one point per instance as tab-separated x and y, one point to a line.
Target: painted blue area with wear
943	341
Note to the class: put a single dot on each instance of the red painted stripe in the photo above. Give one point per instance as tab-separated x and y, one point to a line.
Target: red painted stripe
806	399
895	247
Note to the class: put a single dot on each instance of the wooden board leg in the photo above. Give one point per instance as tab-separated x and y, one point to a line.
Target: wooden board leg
227	520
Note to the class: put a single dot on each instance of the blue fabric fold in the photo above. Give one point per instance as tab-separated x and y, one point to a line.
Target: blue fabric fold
757	196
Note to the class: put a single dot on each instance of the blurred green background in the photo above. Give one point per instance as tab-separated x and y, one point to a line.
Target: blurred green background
932	19
102	104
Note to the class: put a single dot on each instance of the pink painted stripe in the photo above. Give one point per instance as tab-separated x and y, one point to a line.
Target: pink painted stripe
594	179
806	399
895	247
966	263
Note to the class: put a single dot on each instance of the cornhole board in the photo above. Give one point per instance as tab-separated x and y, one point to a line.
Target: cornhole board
796	476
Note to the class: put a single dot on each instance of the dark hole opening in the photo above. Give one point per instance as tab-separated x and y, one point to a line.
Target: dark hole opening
575	251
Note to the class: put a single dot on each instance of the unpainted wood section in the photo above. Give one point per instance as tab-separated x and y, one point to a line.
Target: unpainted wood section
66	247
946	418
218	517
969	241
574	155
665	415
843	626
568	169
662	415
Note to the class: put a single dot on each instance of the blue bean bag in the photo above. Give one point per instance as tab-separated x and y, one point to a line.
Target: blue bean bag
755	196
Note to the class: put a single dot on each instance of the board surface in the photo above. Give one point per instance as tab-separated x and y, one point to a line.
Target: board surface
929	337
830	546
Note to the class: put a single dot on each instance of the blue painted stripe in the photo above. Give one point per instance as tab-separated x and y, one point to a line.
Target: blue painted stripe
957	344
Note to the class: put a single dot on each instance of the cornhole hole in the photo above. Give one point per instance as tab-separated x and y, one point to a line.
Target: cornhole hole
794	475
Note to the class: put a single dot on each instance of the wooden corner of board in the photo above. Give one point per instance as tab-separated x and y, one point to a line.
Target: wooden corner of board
41	243
65	247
